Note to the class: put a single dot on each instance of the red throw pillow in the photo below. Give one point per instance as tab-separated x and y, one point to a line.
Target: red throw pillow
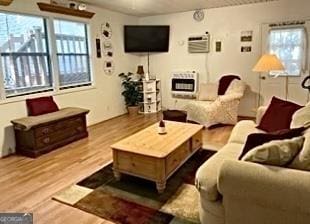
257	139
41	105
278	116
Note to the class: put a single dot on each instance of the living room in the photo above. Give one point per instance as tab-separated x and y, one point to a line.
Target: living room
173	161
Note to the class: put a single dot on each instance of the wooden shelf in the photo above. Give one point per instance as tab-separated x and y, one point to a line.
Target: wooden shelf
63	10
5	2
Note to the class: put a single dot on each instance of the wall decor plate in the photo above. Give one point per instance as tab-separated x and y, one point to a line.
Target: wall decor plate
106	30
108	67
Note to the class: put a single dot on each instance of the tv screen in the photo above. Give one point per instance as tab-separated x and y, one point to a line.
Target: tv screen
146	38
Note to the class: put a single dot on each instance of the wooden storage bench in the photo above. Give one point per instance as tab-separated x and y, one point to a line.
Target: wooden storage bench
36	135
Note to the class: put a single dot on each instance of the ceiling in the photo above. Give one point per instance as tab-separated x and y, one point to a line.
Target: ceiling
156	7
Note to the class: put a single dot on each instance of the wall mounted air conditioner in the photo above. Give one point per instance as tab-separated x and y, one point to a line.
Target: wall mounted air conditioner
199	44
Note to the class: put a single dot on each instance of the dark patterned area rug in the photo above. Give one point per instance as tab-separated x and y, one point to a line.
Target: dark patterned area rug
136	201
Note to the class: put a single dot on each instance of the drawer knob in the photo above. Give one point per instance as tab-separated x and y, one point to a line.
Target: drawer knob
45	130
46	140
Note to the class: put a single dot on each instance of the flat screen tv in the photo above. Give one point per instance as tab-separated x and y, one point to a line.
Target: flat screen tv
146	38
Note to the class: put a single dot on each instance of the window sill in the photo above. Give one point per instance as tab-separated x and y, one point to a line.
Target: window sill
51	93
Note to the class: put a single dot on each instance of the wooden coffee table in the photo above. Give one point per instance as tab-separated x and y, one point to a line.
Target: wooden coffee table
155	157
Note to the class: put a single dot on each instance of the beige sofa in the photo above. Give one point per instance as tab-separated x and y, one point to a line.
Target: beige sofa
238	192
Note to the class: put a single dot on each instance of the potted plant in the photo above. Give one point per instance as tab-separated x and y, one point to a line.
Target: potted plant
130	93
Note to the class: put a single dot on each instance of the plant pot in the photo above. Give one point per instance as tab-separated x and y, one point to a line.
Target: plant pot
133	110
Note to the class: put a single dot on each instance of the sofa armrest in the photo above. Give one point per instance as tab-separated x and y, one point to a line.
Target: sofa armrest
260	113
268	186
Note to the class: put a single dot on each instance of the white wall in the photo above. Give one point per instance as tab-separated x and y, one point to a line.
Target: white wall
105	100
223	24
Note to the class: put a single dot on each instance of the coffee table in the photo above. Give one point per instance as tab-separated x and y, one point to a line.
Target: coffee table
155	157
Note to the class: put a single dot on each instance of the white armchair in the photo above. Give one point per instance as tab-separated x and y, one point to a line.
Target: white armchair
211	109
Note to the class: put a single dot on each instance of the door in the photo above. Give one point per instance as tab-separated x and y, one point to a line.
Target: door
287	85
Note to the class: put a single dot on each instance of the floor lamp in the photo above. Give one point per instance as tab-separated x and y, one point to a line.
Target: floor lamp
267	63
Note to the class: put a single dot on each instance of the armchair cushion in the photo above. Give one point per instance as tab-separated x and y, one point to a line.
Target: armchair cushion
208	91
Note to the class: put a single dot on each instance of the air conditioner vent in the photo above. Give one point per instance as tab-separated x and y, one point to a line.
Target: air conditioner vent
199	44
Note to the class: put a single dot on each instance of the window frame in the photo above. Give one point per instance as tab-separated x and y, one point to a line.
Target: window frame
88	52
304	47
53	65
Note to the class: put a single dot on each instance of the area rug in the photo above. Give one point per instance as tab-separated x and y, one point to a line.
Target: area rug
136	201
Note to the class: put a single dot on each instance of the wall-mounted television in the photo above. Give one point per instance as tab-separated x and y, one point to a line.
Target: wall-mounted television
146	38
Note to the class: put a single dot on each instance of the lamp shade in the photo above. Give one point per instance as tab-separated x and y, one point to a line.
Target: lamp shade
140	70
267	63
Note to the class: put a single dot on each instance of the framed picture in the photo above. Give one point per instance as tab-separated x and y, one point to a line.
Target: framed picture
246	36
246	49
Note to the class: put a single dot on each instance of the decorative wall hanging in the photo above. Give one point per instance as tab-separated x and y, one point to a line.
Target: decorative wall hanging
106	30
246	36
109	67
98	48
246	49
107	48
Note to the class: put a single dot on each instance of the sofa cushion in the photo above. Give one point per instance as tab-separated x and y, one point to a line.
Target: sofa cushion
277	153
208	91
41	105
207	174
27	123
256	139
278	115
241	131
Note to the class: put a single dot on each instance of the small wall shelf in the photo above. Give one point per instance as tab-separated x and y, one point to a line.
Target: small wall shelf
63	10
5	2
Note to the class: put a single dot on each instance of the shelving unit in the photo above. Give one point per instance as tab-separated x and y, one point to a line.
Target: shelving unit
151	96
63	10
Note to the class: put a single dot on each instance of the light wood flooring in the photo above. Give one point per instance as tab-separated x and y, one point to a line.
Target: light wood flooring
27	185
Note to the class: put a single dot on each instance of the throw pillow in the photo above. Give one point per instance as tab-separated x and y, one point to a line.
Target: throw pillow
208	92
278	115
302	160
225	82
41	105
301	117
256	139
277	153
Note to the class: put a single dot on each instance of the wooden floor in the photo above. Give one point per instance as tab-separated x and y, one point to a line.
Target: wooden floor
27	185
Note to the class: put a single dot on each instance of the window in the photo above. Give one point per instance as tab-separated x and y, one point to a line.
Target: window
72	53
24	54
289	45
